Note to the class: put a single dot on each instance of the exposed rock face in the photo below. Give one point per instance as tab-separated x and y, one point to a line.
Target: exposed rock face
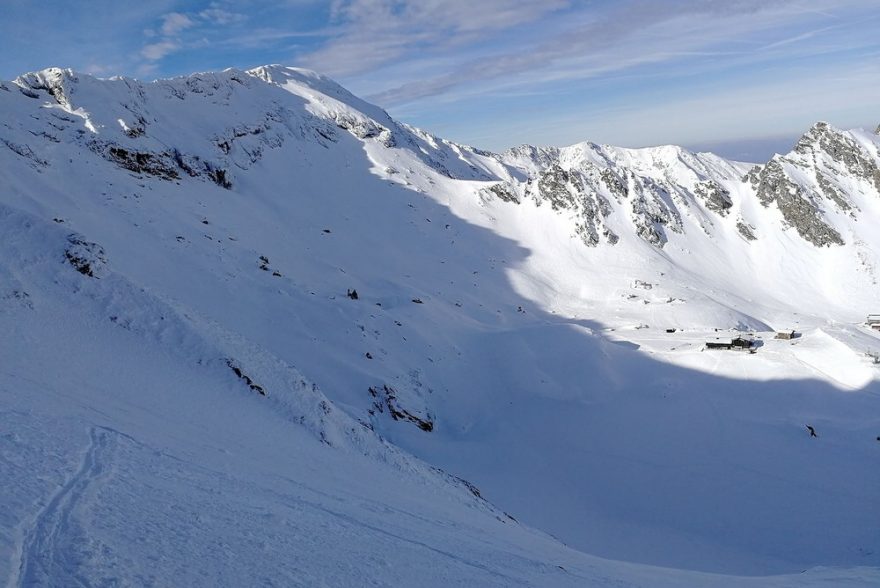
610	190
661	191
385	398
716	197
154	164
84	256
55	81
822	139
501	191
772	185
746	230
556	187
615	185
830	192
576	191
651	214
362	128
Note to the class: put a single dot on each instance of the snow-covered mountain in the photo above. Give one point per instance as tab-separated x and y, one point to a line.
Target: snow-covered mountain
257	331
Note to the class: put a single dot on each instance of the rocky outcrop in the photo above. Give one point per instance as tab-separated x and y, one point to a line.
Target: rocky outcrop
746	230
558	187
576	191
830	192
84	256
714	196
385	398
502	191
773	186
153	164
615	185
652	212
823	140
54	81
165	165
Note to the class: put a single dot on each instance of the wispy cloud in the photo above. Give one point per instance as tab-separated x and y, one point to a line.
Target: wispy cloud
179	30
373	33
589	42
220	16
156	51
174	23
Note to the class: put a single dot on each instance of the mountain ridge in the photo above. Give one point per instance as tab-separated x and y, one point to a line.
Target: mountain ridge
811	209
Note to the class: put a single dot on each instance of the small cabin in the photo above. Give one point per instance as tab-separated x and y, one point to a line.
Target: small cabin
740	343
786	335
873	321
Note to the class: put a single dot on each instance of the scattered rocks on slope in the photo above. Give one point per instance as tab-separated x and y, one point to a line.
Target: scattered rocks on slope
830	192
25	151
87	258
502	191
18	297
386	397
716	197
746	230
153	164
243	376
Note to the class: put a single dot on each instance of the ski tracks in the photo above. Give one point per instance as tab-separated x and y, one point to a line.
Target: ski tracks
51	552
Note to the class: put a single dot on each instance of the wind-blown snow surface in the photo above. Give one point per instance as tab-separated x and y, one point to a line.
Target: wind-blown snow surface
190	397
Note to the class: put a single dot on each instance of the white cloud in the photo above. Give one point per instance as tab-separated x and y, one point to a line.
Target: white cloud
178	29
174	23
218	16
156	51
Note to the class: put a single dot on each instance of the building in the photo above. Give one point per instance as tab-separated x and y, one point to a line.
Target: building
873	321
739	343
786	335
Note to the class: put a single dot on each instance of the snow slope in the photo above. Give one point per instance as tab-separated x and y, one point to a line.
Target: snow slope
190	396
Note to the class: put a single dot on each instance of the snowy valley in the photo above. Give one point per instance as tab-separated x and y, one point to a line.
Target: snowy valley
257	332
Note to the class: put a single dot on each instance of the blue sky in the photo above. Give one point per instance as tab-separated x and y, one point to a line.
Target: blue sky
741	77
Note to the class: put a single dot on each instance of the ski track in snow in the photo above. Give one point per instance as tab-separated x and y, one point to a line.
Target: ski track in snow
46	557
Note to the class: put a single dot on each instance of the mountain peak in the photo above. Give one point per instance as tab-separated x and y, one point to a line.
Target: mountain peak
54	80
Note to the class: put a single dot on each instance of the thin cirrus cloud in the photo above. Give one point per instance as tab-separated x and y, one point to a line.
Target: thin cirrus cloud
594	40
583	73
373	33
